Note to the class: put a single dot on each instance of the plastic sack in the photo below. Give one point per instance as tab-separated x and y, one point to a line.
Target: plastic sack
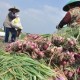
16	23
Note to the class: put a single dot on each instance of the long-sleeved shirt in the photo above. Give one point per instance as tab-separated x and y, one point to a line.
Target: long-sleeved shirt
72	18
9	18
65	20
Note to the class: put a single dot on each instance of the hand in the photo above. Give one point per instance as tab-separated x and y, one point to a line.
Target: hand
58	27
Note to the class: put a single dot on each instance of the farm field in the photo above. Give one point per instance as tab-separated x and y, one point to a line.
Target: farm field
42	56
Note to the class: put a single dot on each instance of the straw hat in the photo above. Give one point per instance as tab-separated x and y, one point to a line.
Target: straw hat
71	2
17	10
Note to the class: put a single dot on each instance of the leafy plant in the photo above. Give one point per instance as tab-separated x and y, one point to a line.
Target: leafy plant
17	67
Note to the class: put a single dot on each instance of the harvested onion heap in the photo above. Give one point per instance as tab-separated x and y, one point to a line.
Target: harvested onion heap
62	51
35	45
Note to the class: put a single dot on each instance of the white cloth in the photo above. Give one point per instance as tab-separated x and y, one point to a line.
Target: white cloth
2	34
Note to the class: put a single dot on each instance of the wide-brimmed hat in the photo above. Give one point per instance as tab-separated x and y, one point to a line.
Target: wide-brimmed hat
17	10
71	2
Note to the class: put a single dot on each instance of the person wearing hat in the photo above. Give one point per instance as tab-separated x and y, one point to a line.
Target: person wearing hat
72	17
7	25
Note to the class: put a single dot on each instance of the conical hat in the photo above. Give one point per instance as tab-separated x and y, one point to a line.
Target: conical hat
74	2
11	9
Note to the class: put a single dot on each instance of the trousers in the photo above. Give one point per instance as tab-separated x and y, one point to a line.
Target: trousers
7	33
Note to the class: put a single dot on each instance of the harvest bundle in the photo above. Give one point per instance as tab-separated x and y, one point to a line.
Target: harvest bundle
61	49
20	67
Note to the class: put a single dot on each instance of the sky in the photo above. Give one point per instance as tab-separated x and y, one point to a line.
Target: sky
37	16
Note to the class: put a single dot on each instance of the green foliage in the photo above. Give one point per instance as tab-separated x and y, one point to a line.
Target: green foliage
46	35
68	32
17	67
22	35
1	30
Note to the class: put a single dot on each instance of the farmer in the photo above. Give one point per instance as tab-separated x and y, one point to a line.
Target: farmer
72	17
7	25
